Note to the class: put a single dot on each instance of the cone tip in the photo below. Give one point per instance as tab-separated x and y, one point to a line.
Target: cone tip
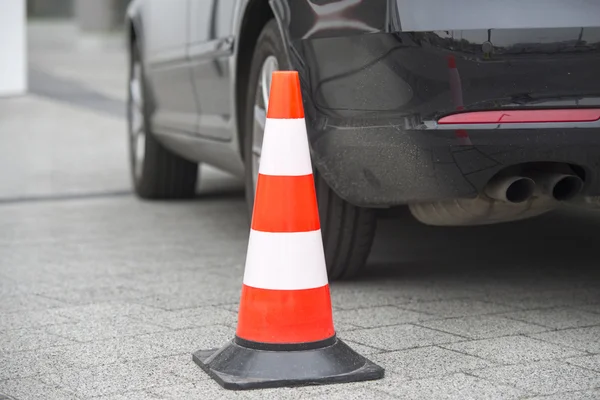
285	98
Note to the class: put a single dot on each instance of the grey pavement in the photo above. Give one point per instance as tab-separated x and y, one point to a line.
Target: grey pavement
105	296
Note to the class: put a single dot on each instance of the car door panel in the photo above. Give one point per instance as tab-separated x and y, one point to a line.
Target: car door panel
211	45
168	69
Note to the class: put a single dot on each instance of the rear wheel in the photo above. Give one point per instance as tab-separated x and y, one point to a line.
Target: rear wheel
347	230
157	173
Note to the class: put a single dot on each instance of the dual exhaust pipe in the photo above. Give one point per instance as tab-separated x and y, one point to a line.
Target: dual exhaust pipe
517	189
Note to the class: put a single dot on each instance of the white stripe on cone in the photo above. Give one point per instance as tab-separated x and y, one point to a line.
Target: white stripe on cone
285	148
285	261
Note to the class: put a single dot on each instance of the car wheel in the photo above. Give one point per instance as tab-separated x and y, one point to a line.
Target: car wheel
156	172
347	230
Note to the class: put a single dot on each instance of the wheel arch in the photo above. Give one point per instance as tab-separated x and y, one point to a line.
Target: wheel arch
255	14
133	23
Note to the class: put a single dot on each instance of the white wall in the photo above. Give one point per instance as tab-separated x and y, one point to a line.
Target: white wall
13	49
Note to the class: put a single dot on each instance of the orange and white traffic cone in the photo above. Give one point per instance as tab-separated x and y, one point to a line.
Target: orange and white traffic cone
285	334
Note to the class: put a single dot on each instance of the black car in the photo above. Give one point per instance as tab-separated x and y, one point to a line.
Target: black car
467	111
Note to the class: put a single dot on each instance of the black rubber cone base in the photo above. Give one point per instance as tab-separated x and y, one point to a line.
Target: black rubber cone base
239	368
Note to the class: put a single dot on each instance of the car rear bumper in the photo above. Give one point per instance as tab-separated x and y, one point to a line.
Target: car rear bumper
373	101
383	166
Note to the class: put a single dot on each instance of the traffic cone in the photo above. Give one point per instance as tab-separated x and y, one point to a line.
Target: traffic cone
457	99
285	334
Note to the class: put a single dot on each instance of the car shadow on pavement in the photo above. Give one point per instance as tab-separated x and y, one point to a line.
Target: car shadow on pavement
558	246
553	251
216	184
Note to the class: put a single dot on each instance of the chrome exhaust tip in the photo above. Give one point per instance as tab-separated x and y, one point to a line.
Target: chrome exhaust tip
566	187
512	189
560	187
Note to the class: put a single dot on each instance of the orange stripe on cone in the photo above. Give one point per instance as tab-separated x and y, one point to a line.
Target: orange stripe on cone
285	316
285	98
285	204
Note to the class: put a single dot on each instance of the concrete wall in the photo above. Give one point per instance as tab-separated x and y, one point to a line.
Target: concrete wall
50	8
90	15
100	15
13	57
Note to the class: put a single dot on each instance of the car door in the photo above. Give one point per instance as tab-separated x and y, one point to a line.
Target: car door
211	46
168	69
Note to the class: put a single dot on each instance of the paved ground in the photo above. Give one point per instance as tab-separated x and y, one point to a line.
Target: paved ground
105	296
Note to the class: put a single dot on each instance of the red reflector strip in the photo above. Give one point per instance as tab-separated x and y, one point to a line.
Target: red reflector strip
521	116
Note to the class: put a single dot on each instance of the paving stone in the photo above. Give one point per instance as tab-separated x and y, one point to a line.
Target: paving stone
589	362
399	337
513	349
98	329
370	389
209	389
102	352
26	364
436	290
197	390
558	318
347	298
189	318
340	328
195	297
105	310
361	348
220	269
191	340
458	308
10	287
183	366
458	386
546	377
33	389
29	319
95	293
114	378
577	395
358	394
587	339
427	362
378	316
233	307
527	298
483	326
134	395
29	339
27	302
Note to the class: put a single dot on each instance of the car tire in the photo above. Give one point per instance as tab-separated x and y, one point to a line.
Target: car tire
156	172
268	44
347	230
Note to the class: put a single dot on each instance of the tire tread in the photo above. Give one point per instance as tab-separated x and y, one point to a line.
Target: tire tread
348	233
